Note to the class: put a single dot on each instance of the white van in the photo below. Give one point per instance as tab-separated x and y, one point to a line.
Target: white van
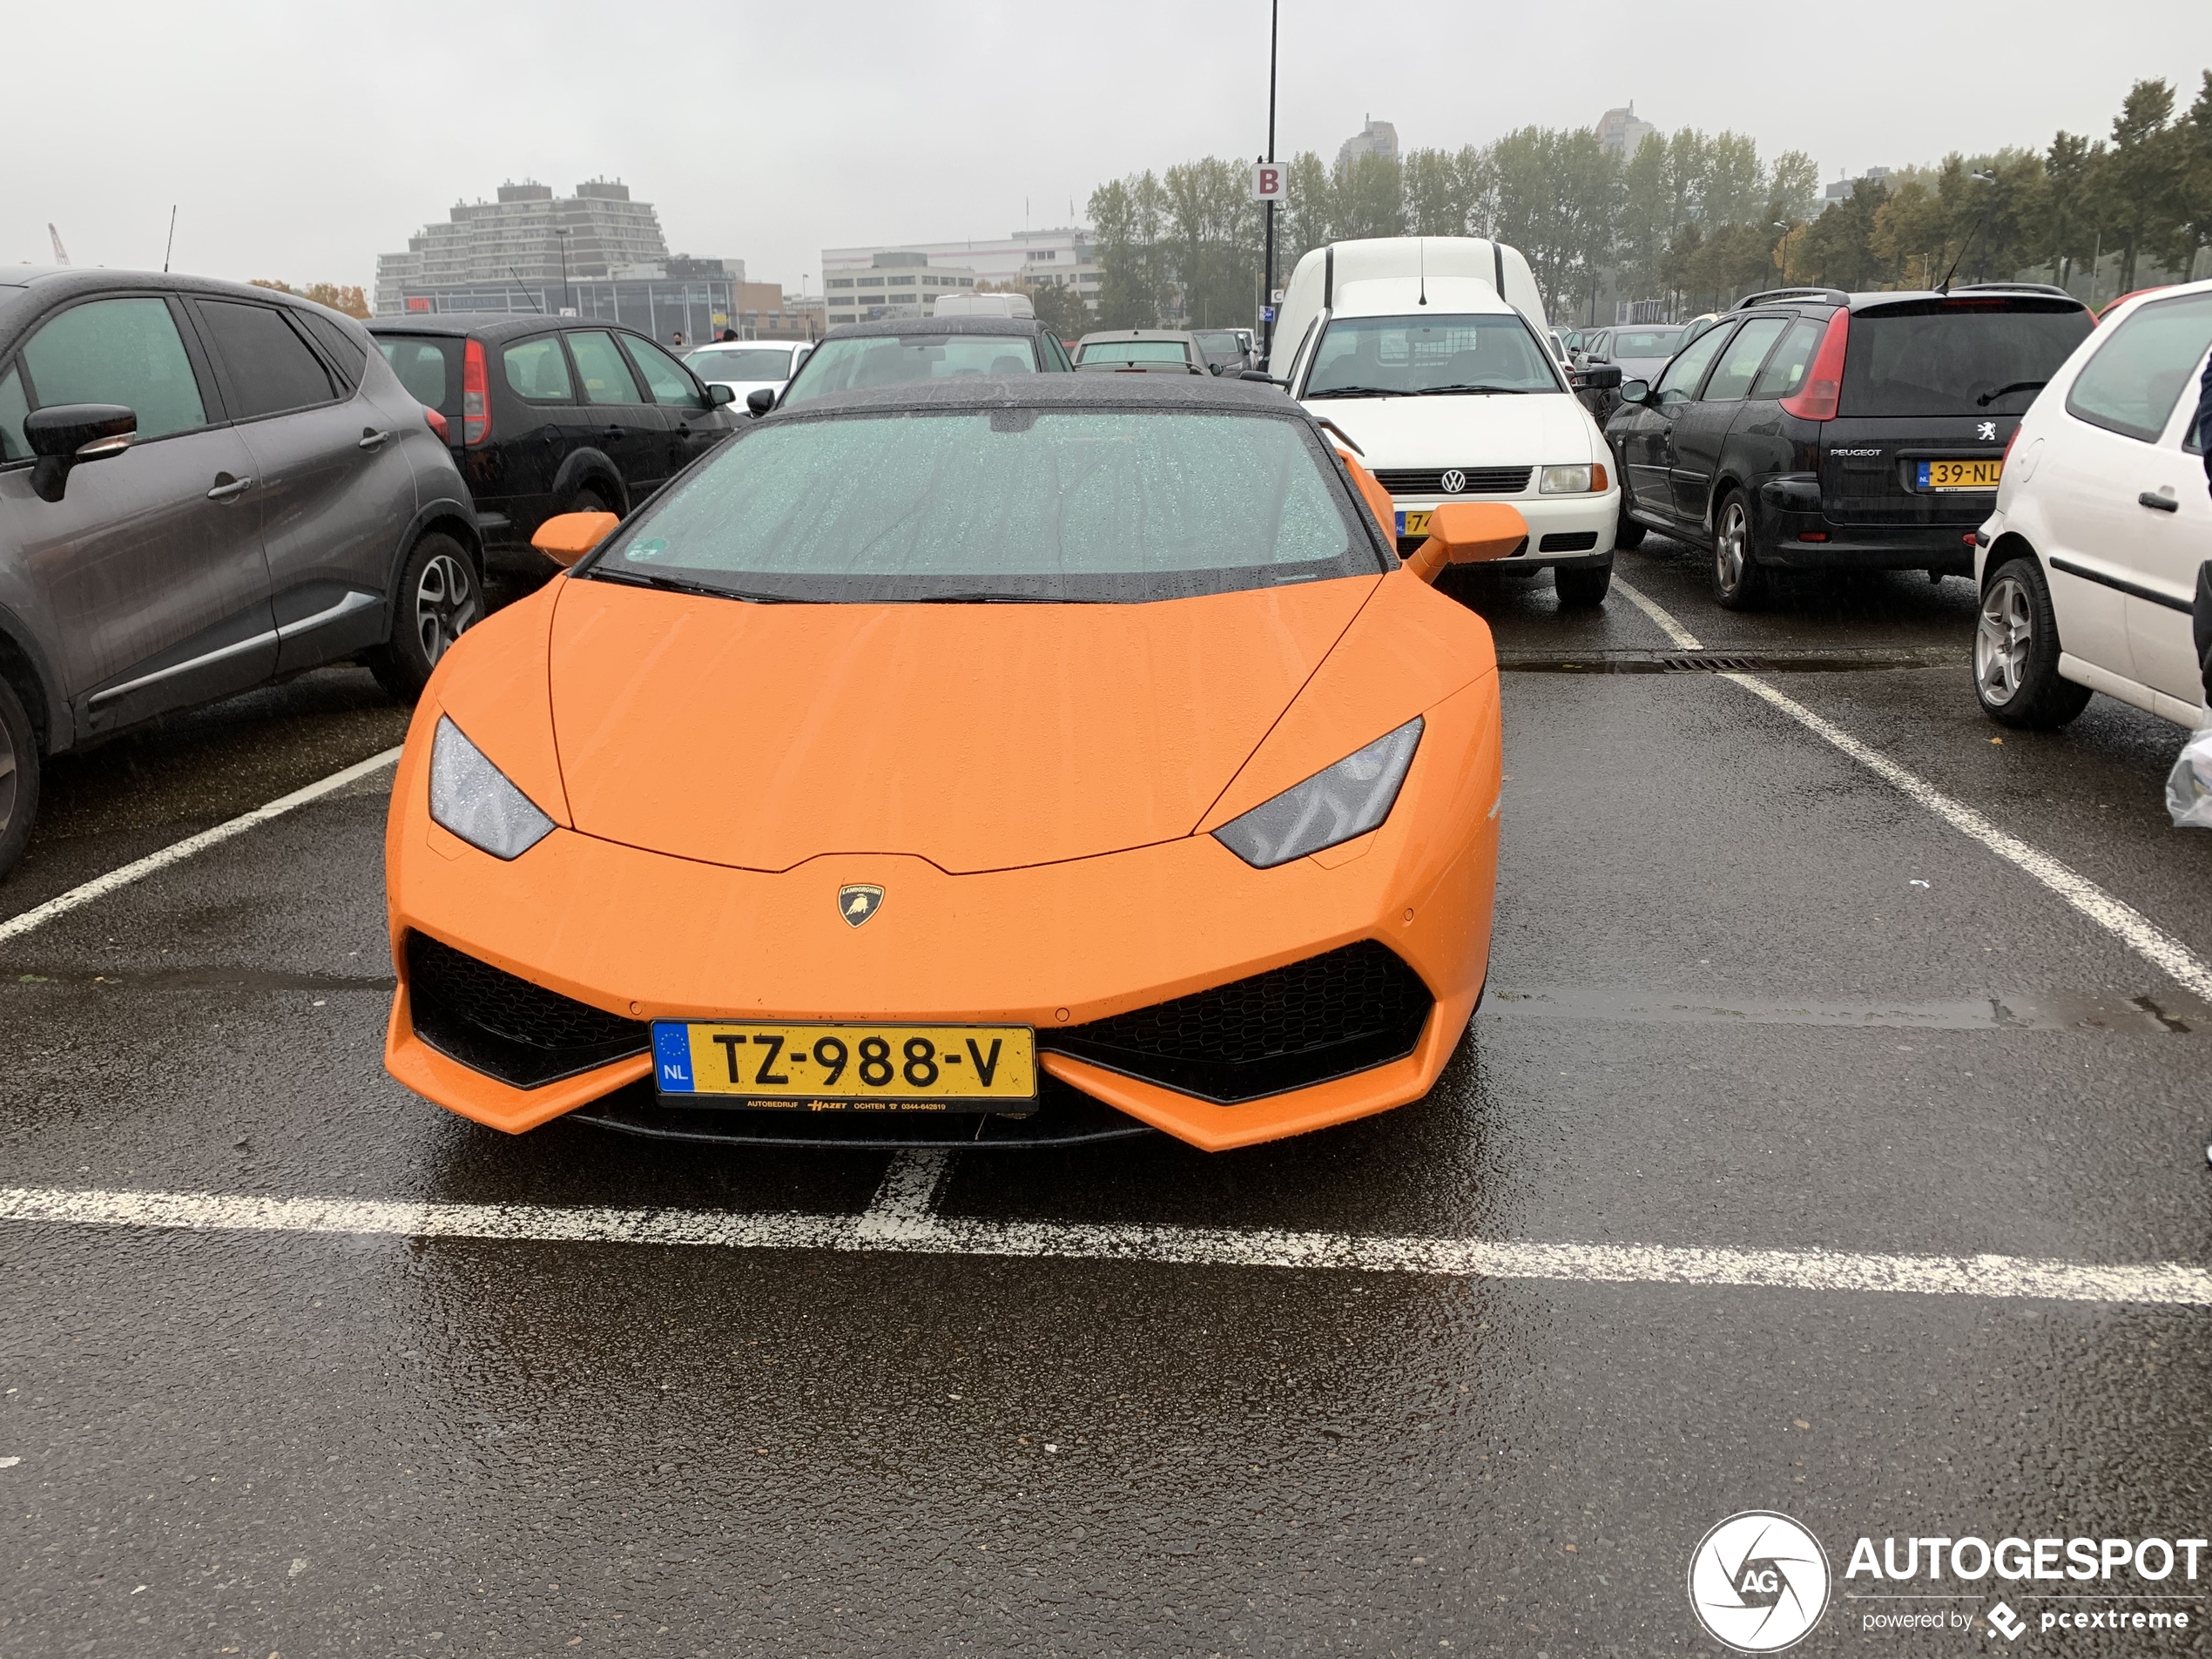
1431	353
986	305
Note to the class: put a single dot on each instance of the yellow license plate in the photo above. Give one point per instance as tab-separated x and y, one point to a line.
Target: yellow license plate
1412	524
878	1067
1960	475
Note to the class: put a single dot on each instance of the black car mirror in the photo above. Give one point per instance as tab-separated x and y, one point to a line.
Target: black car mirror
68	435
1636	391
1261	375
1601	377
761	399
718	394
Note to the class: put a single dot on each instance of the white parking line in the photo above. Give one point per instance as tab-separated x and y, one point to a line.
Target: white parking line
2141	934
98	886
914	1230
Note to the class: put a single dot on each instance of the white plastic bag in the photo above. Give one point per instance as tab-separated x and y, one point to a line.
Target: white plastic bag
2188	786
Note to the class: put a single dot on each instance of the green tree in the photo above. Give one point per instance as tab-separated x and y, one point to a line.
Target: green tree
2192	228
1213	230
1127	217
1436	193
1370	197
2138	182
1837	248
2068	229
1733	189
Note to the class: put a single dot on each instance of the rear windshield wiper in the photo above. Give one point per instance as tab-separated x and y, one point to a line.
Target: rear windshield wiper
2007	391
670	585
1354	391
994	599
1498	391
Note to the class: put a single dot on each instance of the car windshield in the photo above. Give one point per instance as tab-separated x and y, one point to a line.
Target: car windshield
1408	356
754	363
1956	356
1135	351
899	360
1092	504
1646	342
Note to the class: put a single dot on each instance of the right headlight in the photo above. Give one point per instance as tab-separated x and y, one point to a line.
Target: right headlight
472	797
1350	799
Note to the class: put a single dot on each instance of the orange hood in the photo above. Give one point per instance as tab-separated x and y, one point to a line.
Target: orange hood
978	737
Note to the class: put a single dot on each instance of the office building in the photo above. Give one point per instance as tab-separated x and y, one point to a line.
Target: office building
1376	138
596	253
1844	189
1059	257
897	282
1620	133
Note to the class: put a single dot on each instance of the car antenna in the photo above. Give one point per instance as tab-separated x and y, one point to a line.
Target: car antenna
1944	287
170	247
519	283
1420	246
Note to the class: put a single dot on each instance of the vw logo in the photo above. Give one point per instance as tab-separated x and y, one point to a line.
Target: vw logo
1452	482
1758	1582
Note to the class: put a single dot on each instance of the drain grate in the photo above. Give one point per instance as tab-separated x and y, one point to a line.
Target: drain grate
1702	662
1828	661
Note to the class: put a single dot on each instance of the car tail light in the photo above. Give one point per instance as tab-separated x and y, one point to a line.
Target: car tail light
1812	536
476	396
1816	399
436	422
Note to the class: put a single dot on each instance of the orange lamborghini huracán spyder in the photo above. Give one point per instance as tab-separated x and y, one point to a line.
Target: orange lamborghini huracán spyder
1000	760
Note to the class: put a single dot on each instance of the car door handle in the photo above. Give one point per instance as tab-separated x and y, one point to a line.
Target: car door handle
372	439
2163	503
229	488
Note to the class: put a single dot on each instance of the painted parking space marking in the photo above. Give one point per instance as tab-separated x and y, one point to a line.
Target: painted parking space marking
901	1221
2117	917
176	853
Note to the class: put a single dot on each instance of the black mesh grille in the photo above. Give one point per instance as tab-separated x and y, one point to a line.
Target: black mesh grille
1429	481
1327	1017
1568	542
492	1022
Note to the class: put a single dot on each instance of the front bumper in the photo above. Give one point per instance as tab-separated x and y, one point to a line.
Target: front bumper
1563	529
640	935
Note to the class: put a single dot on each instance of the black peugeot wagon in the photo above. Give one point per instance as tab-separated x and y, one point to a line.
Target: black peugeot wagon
1815	428
552	415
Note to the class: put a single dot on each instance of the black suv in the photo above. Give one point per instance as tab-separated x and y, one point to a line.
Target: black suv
1810	427
554	414
204	486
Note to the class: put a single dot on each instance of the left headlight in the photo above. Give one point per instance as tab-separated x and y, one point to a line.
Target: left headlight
1350	799
1572	481
472	797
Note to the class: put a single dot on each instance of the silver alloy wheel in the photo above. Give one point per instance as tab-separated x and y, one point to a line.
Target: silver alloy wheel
2005	635
445	605
1729	547
10	778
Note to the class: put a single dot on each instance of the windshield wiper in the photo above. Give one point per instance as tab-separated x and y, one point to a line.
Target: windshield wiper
670	585
1498	391
994	599
1355	391
2007	391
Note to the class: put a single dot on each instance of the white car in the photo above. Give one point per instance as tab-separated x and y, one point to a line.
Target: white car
1432	356
2088	567
747	366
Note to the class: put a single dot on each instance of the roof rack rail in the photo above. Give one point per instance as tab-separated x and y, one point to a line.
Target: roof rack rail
1773	294
2015	287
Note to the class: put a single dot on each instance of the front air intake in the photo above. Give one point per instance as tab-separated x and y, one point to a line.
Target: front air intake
493	1022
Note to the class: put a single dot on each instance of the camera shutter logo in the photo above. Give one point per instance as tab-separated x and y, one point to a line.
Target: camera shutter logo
1758	1582
1452	482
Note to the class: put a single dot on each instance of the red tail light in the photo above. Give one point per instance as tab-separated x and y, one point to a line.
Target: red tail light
476	396
436	422
1816	399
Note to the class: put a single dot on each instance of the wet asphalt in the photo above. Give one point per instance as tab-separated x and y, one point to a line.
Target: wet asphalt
1726	1005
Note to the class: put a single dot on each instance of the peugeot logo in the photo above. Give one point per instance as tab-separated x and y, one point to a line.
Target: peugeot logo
1452	482
857	901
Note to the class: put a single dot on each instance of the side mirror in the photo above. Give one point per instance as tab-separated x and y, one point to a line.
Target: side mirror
1601	377
566	537
68	435
1468	532
1636	391
759	401
1263	377
718	394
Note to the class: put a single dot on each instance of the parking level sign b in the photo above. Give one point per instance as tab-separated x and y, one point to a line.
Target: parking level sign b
1267	181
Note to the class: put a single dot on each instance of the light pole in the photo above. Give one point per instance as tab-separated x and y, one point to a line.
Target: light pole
1267	293
1784	229
561	241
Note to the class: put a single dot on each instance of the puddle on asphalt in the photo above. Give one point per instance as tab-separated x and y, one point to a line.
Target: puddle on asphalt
2025	1011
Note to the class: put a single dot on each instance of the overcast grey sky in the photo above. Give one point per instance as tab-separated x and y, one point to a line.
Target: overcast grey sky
299	142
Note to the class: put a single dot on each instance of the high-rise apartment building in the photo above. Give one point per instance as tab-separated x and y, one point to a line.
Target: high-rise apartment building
598	253
1376	138
1619	131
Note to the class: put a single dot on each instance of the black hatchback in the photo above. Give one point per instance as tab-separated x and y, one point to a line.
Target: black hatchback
1815	428
554	414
